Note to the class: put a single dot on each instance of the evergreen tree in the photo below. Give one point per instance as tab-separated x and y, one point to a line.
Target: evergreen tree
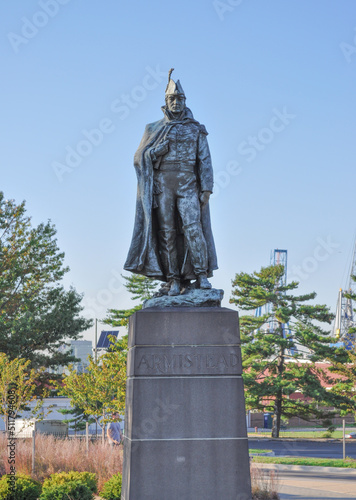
77	419
37	315
275	368
344	365
141	288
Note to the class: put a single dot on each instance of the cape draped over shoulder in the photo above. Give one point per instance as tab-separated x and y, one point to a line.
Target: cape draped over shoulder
143	257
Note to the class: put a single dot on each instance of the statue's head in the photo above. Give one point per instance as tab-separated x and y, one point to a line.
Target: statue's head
175	97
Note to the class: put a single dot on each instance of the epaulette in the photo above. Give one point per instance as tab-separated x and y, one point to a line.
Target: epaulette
203	129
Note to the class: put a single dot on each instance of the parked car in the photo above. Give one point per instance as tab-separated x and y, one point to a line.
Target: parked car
352	435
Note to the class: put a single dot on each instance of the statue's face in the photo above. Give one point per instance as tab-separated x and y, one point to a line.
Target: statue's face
175	103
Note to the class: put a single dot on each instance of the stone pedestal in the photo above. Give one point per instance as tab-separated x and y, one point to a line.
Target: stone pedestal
185	424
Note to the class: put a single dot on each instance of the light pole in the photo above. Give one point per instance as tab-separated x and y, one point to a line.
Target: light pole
96	341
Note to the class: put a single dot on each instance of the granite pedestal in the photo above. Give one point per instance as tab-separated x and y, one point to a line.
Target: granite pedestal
185	424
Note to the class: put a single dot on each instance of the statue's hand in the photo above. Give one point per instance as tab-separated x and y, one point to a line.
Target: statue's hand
204	197
161	149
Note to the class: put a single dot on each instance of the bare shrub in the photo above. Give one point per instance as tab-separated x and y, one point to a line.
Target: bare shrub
63	455
264	483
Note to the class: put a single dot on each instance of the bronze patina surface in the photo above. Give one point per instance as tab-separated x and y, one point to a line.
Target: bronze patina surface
172	238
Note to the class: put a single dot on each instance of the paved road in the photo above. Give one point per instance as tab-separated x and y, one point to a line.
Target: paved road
311	483
323	449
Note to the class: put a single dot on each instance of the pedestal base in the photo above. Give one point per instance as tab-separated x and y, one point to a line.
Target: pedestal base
185	424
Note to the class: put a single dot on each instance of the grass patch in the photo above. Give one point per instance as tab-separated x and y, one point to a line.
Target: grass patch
252	450
349	463
298	435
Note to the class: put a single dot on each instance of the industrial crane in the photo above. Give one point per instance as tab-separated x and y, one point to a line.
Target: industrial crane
344	318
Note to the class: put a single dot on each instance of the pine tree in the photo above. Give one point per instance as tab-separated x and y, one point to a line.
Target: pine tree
76	418
275	368
345	367
142	288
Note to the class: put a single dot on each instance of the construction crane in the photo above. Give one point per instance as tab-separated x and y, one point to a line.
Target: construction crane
344	318
277	257
280	257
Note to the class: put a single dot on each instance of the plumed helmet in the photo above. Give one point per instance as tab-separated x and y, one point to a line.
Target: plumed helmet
174	87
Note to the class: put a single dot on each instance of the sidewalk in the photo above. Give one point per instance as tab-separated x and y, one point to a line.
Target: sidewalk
311	483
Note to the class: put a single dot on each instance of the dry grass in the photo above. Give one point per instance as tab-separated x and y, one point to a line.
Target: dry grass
264	484
63	455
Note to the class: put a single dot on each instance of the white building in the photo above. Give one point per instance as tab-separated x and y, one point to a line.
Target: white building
52	416
81	349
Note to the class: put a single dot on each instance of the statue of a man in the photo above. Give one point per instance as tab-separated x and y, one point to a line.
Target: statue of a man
172	239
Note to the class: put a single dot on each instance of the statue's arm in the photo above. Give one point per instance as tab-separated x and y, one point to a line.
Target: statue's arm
159	150
205	169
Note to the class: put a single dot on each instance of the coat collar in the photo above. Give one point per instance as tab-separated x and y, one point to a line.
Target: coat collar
186	115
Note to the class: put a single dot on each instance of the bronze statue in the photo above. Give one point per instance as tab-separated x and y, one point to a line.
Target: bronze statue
172	239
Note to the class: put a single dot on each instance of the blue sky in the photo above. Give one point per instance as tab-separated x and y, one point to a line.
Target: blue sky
274	84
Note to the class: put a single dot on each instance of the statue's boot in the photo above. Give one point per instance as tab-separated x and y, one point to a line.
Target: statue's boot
203	282
198	250
164	289
175	288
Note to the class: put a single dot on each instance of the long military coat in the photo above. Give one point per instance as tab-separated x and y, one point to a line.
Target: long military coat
143	257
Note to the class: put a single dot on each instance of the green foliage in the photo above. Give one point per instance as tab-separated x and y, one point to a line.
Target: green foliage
87	478
257	450
142	288
274	356
71	490
18	385
69	486
112	488
302	434
36	314
78	420
348	463
327	434
26	488
344	365
100	391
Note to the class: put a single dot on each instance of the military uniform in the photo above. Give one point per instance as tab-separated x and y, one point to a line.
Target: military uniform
181	175
172	238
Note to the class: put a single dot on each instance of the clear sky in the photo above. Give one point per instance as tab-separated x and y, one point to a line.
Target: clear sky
273	82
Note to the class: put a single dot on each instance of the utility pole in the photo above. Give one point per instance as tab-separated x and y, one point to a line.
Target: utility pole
33	449
87	435
96	341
